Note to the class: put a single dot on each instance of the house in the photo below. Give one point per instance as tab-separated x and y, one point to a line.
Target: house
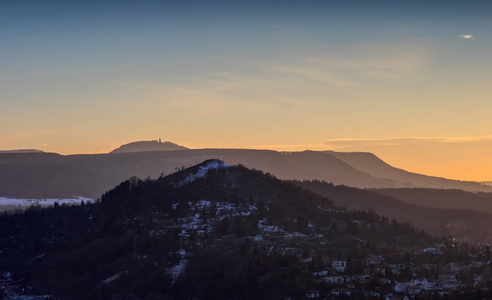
400	288
339	265
396	267
336	292
476	264
428	283
334	279
448	281
371	260
481	285
396	297
452	268
320	273
431	251
363	278
312	294
446	277
181	252
413	290
375	294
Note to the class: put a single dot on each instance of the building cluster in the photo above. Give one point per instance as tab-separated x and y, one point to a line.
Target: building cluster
424	272
13	290
384	277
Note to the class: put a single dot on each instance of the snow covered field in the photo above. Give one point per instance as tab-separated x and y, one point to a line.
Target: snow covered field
13	203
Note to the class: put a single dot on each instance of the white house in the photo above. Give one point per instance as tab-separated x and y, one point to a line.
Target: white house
400	288
312	294
334	279
339	265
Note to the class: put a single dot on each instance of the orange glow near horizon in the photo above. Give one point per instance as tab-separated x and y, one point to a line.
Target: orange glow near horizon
460	158
281	75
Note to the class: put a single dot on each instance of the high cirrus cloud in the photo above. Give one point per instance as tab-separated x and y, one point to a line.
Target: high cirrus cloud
361	144
466	36
402	141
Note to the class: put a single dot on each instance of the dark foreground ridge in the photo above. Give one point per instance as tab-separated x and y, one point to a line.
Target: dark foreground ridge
215	231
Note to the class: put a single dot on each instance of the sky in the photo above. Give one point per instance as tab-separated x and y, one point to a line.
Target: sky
407	80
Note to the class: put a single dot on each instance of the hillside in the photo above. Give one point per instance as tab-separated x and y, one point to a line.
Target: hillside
48	175
441	198
370	163
21	151
211	231
145	146
469	219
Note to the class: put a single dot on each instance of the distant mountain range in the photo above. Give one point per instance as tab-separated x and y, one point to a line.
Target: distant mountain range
144	146
464	215
21	151
42	175
370	163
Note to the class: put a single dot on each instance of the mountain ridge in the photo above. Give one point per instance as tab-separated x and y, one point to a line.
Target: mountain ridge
369	162
148	146
41	175
22	151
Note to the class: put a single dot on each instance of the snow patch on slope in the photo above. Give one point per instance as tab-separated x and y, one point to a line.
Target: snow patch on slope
111	278
202	171
4	201
178	269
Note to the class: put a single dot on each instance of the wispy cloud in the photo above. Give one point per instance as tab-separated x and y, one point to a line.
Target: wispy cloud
367	65
401	141
298	79
313	75
292	147
466	36
389	59
354	144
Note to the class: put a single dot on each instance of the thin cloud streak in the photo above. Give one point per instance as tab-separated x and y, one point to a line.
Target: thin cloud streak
338	144
466	36
315	75
292	147
298	77
398	141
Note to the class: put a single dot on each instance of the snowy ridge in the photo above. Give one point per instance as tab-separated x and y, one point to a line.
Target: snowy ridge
202	171
4	201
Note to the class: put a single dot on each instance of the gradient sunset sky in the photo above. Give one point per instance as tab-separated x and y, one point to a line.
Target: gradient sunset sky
410	81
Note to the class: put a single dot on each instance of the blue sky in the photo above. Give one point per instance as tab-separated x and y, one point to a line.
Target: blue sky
243	74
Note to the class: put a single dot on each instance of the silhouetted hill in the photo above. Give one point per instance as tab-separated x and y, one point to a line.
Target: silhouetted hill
143	146
370	163
41	175
21	151
441	198
38	175
211	231
467	221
